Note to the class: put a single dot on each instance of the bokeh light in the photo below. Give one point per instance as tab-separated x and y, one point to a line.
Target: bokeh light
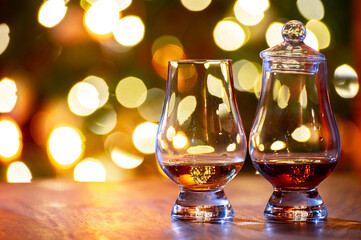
144	137
123	4
103	120
4	37
8	95
18	172
246	76
125	159
101	86
51	12
346	81
229	35
274	34
90	170
254	7
311	9
65	146
151	109
321	31
196	5
10	140
83	99
101	17
165	53
245	17
131	92
311	40
129	31
121	150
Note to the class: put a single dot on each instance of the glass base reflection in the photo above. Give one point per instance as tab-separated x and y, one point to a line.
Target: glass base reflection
299	206
202	206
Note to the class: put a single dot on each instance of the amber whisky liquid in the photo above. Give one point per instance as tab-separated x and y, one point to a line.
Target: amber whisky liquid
202	177
295	174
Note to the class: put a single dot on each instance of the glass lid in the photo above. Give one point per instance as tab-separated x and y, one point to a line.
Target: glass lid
293	33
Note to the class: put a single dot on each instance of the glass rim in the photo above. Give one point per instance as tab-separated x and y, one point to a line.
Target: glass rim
200	61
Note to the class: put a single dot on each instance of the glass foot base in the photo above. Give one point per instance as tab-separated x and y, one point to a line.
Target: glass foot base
195	206
298	206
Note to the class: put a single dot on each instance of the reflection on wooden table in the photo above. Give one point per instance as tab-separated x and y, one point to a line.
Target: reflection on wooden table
140	209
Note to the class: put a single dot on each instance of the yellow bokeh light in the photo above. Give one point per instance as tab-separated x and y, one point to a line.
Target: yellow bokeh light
51	12
311	40
10	140
247	18
283	96
144	137
321	31
196	5
83	99
103	121
90	170
273	34
180	141
253	7
301	134
278	145
311	9
131	92
8	95
4	37
123	4
18	172
102	16
129	31
346	81
246	75
186	108
151	109
229	35
165	40
125	159
200	149
164	54
101	86
65	146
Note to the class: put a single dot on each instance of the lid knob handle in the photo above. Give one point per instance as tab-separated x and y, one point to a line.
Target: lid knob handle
294	31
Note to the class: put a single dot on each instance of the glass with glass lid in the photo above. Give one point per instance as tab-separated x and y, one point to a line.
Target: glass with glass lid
200	143
294	142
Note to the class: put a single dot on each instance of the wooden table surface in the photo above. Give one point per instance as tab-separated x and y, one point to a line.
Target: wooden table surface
140	209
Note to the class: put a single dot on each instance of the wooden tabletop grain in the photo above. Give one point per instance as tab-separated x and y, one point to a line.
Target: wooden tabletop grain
140	209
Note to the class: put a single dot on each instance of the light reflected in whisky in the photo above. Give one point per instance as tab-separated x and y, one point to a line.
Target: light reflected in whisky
202	177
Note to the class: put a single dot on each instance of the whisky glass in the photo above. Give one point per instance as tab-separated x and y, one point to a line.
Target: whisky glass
294	142
201	143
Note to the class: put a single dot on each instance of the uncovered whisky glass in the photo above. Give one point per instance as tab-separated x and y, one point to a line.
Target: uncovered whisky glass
201	143
294	142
